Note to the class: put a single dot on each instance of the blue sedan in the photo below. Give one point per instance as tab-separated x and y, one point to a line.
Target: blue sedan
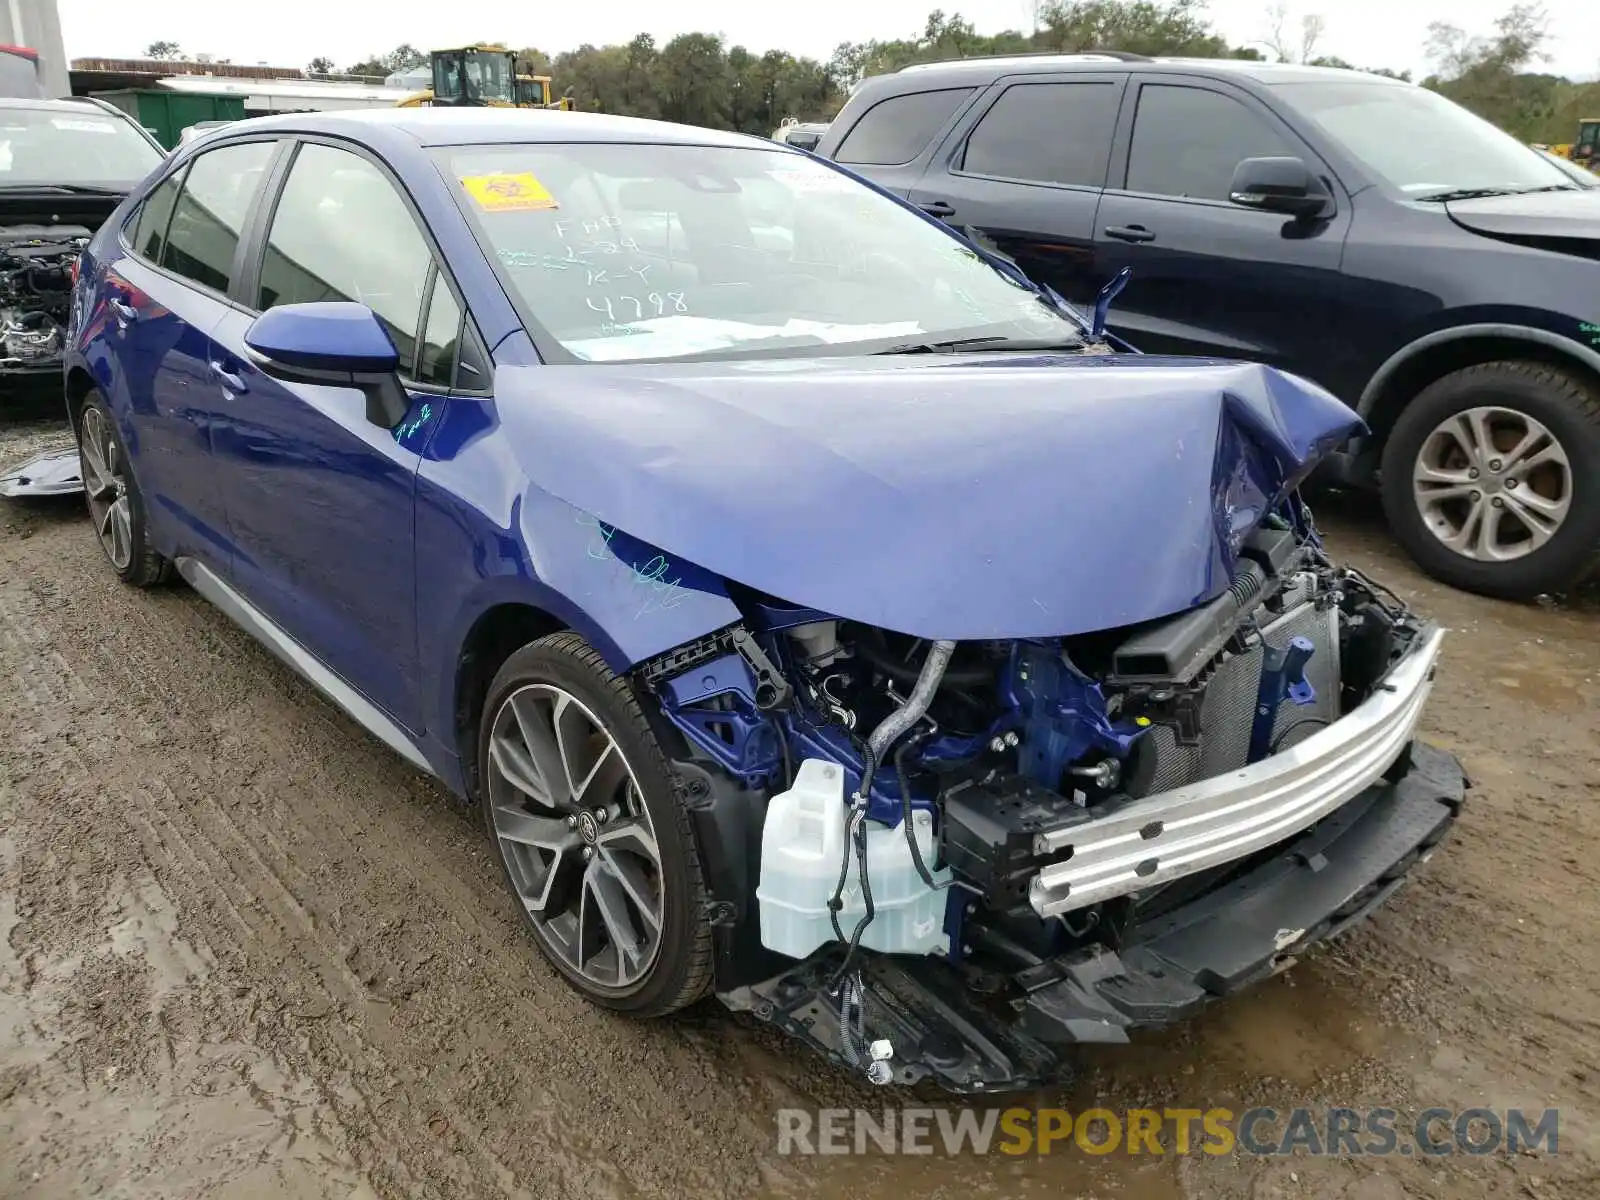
820	614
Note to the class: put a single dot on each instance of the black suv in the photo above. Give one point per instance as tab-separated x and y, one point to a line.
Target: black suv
1433	272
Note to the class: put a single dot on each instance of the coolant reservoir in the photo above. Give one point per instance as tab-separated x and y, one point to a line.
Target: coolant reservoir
802	848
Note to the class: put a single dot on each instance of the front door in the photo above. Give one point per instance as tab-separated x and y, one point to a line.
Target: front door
1210	277
320	499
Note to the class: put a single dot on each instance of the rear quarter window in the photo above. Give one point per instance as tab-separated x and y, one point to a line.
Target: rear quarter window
894	131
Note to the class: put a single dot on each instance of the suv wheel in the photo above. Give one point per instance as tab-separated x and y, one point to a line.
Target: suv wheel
597	846
1491	479
116	505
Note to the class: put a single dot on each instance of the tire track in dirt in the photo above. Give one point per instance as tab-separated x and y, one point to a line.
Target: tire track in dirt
274	863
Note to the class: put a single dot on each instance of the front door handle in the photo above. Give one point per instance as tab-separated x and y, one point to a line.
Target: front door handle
938	208
1130	233
227	378
126	314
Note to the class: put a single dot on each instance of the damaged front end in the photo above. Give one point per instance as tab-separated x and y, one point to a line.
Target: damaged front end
974	855
36	278
954	858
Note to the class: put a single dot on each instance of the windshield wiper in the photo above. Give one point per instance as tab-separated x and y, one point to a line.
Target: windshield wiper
1485	192
64	189
993	342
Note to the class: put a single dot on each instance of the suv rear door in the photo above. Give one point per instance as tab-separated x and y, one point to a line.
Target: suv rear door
1211	277
1022	173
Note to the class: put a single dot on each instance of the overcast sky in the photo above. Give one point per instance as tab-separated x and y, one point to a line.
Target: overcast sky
1380	33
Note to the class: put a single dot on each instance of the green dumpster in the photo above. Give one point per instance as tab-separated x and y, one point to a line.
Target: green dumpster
168	114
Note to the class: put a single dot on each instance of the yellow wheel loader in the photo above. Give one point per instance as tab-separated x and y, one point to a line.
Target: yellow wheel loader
479	76
533	91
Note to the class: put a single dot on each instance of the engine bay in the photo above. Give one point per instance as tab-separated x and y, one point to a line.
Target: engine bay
36	263
913	794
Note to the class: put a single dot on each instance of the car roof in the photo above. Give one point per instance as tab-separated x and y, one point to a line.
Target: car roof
489	126
75	104
921	75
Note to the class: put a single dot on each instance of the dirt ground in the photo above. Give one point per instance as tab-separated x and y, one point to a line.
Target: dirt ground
248	952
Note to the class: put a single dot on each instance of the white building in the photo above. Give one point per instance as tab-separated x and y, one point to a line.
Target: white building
264	96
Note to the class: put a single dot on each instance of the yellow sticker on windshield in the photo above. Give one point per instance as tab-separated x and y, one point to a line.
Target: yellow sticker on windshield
517	192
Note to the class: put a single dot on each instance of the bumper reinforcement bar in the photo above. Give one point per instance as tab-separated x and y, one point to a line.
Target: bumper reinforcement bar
1160	838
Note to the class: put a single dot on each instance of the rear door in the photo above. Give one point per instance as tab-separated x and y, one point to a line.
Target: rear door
166	290
320	499
1210	277
1023	173
892	141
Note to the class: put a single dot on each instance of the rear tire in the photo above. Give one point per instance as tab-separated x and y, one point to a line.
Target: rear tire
1491	479
116	506
597	847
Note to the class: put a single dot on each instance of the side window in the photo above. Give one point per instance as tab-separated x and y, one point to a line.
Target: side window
211	210
896	130
1049	132
150	229
342	232
1187	141
436	357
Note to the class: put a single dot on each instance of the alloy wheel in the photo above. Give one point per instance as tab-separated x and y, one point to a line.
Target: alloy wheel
576	836
106	485
1492	484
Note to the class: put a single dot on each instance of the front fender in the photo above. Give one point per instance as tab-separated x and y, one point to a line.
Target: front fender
1565	335
486	537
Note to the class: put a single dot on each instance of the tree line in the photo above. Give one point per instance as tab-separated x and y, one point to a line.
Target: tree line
695	78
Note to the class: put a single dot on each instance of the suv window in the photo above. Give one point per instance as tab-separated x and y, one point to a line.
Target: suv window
211	210
150	229
1187	141
1049	132
342	232
894	131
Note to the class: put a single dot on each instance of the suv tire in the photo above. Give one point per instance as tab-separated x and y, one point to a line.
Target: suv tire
1491	479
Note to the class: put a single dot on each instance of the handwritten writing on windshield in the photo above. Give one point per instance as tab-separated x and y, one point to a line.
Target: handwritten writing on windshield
617	285
657	593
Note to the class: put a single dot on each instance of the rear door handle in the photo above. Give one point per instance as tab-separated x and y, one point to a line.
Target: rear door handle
227	378
1130	233
938	208
126	314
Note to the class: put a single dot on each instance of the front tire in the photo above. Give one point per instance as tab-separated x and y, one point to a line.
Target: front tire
116	506
596	846
1491	479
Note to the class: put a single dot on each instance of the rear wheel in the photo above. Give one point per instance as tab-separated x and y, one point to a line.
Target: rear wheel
1491	479
116	506
598	849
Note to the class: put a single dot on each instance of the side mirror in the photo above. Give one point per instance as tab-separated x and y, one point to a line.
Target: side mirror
334	343
1279	185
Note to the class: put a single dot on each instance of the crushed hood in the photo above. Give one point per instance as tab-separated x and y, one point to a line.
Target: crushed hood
1573	214
974	497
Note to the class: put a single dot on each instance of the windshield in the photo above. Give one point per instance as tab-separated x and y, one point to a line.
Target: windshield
1420	143
49	146
628	252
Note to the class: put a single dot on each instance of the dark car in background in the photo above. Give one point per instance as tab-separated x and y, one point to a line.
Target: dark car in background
65	165
1430	270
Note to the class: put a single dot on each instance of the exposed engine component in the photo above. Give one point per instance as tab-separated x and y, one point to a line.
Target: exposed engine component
993	827
36	292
